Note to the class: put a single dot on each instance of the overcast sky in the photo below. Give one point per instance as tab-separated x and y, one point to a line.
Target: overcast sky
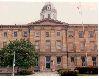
26	12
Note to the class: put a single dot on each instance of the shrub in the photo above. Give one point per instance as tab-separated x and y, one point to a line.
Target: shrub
87	70
67	72
24	72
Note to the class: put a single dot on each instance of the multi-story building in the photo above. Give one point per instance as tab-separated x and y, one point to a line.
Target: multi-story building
59	44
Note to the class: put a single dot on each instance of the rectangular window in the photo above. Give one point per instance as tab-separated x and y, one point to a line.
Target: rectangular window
82	46
25	34
70	34
91	34
58	33
58	60
58	44
15	34
81	34
5	34
71	46
47	34
37	34
48	44
72	59
36	44
4	44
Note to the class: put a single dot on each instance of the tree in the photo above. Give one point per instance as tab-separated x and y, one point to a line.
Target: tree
25	55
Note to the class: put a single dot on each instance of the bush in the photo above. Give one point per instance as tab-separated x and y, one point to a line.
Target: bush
24	72
67	72
87	70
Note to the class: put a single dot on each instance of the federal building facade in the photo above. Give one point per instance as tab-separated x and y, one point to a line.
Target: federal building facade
58	44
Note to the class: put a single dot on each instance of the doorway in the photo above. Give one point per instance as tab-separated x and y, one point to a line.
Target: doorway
48	59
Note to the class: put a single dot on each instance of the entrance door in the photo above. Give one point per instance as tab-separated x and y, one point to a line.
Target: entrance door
48	59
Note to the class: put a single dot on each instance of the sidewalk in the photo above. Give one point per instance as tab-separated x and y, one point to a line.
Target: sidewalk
45	74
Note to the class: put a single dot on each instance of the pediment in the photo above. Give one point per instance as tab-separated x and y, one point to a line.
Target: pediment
47	22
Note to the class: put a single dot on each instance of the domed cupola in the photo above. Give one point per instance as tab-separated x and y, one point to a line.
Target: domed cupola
48	11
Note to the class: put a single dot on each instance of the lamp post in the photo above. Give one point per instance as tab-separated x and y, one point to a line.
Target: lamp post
13	64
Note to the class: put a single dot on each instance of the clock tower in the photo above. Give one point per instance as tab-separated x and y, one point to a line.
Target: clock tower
48	11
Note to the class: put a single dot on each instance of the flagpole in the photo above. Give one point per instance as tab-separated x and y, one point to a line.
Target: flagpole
13	63
80	12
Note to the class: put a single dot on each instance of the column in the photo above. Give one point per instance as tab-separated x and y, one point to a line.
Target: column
53	46
64	61
42	63
79	61
53	63
1	38
64	40
42	44
89	61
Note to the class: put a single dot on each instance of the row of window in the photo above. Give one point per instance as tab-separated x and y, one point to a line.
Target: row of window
47	34
15	34
81	34
83	58
48	44
25	34
59	45
82	46
37	34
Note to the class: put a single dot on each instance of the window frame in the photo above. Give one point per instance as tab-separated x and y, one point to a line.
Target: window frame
59	59
14	33
5	34
81	34
47	34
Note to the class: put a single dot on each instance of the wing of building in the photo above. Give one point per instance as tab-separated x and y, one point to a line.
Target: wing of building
59	44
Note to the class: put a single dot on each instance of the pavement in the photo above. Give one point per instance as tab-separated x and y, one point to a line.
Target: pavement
45	74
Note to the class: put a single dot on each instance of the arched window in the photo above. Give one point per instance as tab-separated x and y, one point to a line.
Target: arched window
94	61
58	60
84	61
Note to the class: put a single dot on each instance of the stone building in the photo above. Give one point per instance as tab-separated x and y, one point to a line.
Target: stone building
59	44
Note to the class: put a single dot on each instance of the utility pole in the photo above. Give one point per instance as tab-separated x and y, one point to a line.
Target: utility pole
13	64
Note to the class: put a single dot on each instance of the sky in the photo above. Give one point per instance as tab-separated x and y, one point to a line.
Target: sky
25	12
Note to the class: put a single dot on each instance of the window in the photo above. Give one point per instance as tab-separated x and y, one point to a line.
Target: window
5	34
37	44
58	33
91	34
49	16
4	44
47	34
58	44
47	44
84	61
94	61
15	34
93	46
25	34
58	60
81	34
70	34
72	59
71	46
82	46
37	34
36	63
